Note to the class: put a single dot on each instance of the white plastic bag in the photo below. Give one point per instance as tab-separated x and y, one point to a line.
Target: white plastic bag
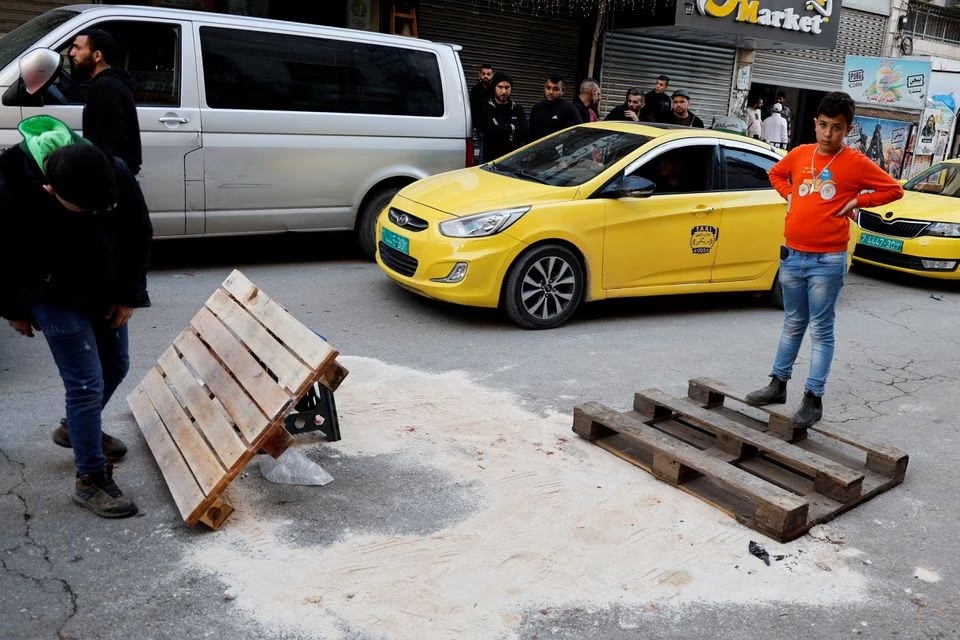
292	467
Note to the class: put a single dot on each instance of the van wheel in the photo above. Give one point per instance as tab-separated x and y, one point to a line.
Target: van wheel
543	287
367	221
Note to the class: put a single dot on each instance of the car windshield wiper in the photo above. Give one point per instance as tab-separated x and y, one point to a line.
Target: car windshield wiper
520	173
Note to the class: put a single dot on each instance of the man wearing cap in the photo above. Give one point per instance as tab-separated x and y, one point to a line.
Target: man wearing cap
681	113
774	128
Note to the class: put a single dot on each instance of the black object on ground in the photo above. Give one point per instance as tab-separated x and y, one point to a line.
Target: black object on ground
761	553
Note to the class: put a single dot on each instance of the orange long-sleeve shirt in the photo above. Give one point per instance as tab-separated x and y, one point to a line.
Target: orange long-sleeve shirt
817	195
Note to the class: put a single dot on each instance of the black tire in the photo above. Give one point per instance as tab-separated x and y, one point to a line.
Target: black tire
775	295
544	287
367	221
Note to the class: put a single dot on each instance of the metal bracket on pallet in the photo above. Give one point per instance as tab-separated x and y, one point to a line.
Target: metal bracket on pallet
316	411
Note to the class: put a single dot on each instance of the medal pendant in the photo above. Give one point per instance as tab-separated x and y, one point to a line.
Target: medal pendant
803	190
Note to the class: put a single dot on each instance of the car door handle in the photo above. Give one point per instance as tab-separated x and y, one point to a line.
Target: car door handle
702	209
173	119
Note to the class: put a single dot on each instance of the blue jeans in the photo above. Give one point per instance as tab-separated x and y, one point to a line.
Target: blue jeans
811	285
93	360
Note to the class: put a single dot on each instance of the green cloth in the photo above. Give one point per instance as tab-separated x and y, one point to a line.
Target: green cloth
42	135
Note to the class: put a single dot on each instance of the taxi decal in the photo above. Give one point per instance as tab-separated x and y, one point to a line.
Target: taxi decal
702	238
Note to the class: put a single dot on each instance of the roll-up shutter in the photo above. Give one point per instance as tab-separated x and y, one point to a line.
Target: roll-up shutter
525	46
16	12
860	33
635	61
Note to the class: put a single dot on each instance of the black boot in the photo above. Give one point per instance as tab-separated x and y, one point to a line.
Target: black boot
810	411
773	393
98	492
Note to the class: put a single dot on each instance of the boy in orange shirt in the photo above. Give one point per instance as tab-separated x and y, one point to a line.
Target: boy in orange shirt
823	184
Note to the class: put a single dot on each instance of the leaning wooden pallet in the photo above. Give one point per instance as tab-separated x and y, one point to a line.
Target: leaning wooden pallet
219	394
762	471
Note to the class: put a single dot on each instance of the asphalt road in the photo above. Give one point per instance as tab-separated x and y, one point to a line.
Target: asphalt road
896	377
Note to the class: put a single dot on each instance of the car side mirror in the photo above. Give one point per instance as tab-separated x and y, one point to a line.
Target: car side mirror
38	69
630	187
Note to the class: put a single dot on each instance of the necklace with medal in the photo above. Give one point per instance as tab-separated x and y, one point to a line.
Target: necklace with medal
826	191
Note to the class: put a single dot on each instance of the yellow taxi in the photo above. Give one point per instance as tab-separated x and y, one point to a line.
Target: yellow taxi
600	210
920	233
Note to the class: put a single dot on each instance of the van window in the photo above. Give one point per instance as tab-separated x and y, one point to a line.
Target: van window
148	52
272	71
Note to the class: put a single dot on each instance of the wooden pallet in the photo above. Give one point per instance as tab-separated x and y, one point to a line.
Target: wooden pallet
219	394
765	472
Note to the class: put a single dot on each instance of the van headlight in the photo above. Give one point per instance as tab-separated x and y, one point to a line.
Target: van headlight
480	225
943	229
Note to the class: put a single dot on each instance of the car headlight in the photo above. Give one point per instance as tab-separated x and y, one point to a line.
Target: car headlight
944	229
480	225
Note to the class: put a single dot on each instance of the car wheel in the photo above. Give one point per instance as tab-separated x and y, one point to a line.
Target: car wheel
367	221
543	287
775	295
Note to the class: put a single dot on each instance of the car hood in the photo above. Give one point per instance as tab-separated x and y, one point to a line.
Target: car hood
475	190
921	206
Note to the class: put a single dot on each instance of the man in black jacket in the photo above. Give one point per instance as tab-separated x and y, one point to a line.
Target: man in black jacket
657	103
503	123
553	113
110	114
87	233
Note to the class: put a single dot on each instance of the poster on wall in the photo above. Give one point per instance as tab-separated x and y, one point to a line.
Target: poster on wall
936	123
900	83
882	140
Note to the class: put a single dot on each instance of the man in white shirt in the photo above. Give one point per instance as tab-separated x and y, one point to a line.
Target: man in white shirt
774	128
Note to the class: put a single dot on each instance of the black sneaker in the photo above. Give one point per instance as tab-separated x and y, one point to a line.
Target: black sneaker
98	492
113	448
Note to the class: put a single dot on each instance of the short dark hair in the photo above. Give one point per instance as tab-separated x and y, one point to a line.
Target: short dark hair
103	42
486	65
555	78
837	103
83	175
634	91
781	94
664	77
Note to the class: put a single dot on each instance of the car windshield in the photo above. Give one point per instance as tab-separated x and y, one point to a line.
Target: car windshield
943	180
570	157
23	37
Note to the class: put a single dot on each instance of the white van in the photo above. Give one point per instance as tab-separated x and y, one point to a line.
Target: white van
253	126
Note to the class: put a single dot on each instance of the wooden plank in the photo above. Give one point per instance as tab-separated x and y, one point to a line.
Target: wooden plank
245	413
290	373
310	347
209	418
204	465
332	375
775	510
216	514
241	364
710	393
183	486
885	460
831	479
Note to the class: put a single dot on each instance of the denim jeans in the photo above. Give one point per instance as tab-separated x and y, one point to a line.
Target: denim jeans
93	360
811	285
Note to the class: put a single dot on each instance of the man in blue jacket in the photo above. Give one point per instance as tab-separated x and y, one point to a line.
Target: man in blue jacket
79	227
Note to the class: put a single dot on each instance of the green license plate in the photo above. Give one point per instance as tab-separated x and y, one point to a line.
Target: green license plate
881	243
396	241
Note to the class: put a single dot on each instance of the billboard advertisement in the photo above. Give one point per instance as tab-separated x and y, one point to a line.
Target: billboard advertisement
896	83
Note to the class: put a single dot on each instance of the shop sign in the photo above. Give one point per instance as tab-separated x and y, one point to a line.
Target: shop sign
814	22
900	83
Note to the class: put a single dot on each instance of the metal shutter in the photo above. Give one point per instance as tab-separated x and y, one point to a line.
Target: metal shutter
635	61
16	12
527	47
859	34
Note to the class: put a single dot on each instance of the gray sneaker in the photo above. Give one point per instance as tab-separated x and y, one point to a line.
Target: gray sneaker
98	492
113	448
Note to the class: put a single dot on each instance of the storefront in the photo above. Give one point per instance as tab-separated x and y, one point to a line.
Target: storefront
710	47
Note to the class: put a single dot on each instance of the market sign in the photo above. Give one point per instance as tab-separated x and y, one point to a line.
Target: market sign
898	83
814	23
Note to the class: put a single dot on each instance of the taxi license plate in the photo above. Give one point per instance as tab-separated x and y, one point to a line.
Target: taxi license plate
395	241
880	242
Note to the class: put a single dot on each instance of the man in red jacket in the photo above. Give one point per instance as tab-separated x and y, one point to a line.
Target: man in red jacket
823	185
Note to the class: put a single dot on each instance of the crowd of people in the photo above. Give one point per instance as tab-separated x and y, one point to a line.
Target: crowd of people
503	125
